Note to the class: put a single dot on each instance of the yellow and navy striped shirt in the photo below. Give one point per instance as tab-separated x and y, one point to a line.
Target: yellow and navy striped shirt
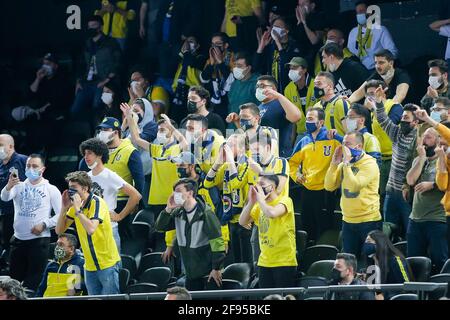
99	249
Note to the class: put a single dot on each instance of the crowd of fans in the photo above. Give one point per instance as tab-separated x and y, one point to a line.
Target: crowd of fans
283	116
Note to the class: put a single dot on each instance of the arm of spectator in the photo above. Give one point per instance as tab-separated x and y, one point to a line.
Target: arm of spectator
441	172
436	25
245	217
396	113
133	201
55	200
401	92
137	171
177	134
293	113
358	94
416	170
142	19
134	130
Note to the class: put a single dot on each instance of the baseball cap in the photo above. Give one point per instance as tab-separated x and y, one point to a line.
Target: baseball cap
298	62
109	123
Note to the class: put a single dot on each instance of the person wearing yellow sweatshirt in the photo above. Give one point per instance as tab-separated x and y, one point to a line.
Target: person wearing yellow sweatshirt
308	165
358	176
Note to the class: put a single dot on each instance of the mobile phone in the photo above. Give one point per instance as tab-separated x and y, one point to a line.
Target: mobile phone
14	172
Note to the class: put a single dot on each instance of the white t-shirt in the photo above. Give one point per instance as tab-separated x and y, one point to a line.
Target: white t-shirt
33	205
110	184
445	32
191	214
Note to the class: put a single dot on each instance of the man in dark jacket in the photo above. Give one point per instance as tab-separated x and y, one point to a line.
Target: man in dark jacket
344	273
100	65
198	234
10	161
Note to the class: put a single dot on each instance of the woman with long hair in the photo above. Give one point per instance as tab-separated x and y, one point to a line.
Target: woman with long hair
391	264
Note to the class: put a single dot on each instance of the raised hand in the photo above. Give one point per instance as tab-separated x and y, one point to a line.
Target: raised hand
337	156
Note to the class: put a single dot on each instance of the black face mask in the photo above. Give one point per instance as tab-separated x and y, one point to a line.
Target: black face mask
429	151
191	106
336	276
318	92
182	173
405	127
92	32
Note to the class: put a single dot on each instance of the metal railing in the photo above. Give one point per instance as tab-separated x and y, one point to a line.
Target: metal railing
421	288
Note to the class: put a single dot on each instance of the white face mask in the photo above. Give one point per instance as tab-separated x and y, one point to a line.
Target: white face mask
105	136
91	167
332	67
107	98
178	198
3	154
191	137
278	31
162	137
330	41
294	75
361	18
435	82
192	46
48	69
260	95
447	151
238	73
133	85
352	124
389	75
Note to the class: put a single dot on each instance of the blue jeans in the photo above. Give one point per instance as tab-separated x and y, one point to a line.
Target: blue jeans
428	234
354	235
396	210
103	282
86	98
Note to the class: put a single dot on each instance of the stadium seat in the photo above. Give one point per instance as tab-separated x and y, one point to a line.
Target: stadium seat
151	260
157	275
389	229
438	278
323	268
142	288
405	296
298	221
307	282
129	263
401	246
124	279
317	253
301	240
446	267
330	237
146	216
239	272
421	268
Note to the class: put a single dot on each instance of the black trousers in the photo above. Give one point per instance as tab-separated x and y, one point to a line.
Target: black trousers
7	230
277	277
317	208
240	243
28	260
198	284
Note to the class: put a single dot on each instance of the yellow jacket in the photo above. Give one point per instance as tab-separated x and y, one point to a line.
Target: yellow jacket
291	92
119	22
359	182
442	178
383	138
312	159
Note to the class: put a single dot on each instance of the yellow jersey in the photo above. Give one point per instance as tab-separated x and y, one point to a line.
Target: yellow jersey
276	235
335	110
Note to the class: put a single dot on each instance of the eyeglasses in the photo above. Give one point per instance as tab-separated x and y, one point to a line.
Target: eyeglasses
438	109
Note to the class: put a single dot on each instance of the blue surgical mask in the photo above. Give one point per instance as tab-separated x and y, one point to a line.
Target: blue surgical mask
369	249
32	174
436	116
361	18
355	154
246	124
311	127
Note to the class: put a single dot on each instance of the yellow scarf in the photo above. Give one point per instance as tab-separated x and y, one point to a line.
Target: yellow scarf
364	43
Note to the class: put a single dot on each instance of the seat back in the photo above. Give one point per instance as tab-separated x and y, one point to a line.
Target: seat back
301	241
330	237
402	247
323	268
405	296
308	282
150	260
157	275
129	263
142	288
317	253
438	278
239	272
446	267
420	267
124	279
